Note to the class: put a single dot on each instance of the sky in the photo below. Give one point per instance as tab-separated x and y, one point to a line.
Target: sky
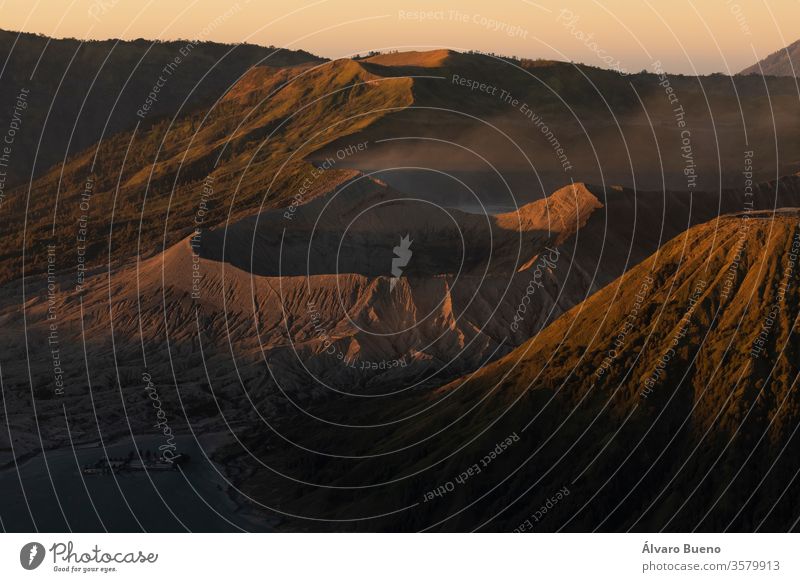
685	36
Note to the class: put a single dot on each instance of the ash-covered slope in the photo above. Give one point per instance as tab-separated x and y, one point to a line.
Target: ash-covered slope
286	284
667	400
233	325
302	300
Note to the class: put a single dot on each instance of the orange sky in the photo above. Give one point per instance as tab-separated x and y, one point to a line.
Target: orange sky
687	36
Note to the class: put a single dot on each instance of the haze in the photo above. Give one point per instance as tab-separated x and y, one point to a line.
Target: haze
690	37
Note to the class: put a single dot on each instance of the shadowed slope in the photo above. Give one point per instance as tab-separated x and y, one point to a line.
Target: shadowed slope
666	400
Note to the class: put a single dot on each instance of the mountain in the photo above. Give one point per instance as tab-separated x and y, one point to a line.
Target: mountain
246	152
542	123
349	272
782	63
665	401
313	296
298	304
82	92
401	118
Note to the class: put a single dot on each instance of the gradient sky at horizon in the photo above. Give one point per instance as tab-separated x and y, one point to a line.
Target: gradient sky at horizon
687	36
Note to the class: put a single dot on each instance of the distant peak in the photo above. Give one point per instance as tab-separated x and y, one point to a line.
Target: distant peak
577	190
782	63
561	214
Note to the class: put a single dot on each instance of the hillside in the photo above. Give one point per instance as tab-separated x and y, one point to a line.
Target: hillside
302	294
83	91
256	148
666	400
295	284
782	63
542	124
358	277
166	180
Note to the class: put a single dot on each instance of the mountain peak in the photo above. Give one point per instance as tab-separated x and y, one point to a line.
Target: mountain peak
425	59
561	214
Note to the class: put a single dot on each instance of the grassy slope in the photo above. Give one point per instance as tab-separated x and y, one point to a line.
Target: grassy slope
114	78
251	147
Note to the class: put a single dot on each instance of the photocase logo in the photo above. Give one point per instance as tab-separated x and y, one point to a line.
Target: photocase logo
31	555
402	254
